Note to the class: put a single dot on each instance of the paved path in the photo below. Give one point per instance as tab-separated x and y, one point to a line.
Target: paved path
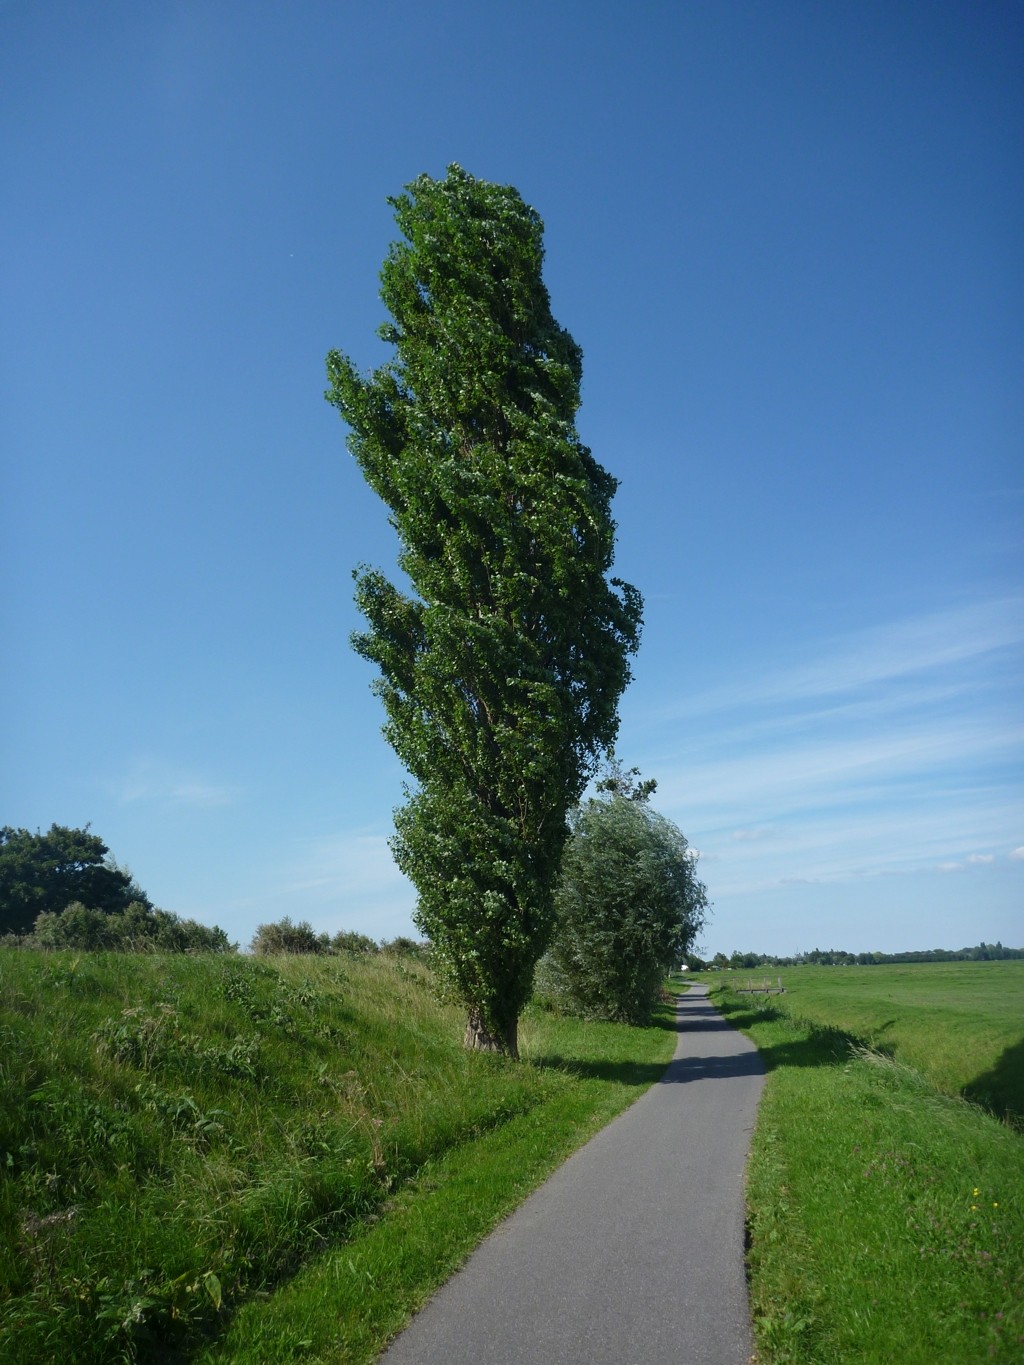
632	1252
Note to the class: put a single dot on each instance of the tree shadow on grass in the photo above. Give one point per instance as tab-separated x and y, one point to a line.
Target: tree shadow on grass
819	1045
623	1073
696	1015
1001	1089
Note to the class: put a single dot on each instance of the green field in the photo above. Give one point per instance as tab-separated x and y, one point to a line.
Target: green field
960	1023
261	1160
886	1212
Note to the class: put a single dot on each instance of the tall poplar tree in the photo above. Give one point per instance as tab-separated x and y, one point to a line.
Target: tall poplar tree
502	665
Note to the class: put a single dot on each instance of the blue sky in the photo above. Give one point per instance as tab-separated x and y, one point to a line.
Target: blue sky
788	239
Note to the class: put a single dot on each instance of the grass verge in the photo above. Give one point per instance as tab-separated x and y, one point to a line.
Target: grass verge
197	1154
345	1305
886	1219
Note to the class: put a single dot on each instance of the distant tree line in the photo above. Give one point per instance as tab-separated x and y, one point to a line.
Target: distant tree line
839	957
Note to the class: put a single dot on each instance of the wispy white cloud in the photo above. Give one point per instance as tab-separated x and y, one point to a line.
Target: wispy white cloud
157	781
896	751
354	863
972	860
765	783
881	655
347	880
880	839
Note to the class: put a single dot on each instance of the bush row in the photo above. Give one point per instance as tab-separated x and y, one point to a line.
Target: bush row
143	929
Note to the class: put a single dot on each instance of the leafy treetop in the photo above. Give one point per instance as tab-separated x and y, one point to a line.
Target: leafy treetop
502	664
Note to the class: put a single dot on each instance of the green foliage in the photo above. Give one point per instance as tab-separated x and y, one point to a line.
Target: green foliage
501	668
629	905
356	944
286	937
138	929
406	947
48	872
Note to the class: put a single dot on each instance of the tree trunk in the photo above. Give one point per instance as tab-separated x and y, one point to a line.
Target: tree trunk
479	1037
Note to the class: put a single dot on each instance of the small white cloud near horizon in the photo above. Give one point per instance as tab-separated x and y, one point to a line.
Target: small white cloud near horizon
981	859
1017	856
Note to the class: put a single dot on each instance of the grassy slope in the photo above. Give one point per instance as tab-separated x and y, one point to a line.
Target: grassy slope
887	1218
208	1150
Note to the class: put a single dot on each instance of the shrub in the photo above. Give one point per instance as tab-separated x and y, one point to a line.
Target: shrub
138	929
356	945
286	937
406	947
75	927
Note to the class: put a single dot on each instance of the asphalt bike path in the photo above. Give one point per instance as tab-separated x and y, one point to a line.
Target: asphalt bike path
632	1251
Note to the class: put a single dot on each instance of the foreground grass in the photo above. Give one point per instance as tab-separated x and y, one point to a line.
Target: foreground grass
344	1305
216	1158
886	1218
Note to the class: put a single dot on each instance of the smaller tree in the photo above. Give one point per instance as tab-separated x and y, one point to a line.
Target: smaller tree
629	904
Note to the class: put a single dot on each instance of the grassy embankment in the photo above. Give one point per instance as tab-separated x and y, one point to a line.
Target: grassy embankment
225	1159
887	1209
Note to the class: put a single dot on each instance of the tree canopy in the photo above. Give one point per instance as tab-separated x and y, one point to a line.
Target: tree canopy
629	904
49	872
502	663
